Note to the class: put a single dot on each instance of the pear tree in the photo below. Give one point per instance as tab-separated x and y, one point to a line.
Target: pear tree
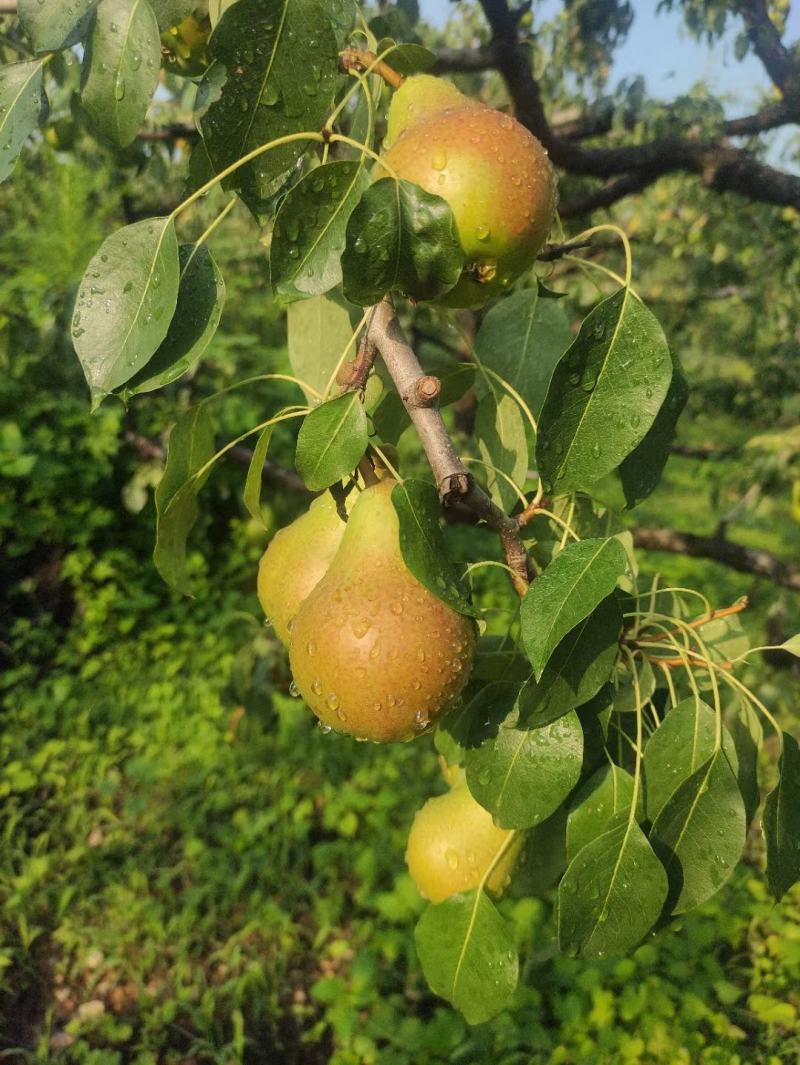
602	731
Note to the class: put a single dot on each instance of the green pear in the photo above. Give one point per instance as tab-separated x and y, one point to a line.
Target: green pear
295	561
373	652
453	842
493	173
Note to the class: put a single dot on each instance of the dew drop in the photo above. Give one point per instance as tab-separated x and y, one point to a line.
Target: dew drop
451	857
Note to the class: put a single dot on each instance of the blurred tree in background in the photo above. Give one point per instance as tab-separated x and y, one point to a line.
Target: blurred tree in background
190	871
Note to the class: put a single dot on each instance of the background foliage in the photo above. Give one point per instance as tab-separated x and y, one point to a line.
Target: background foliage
189	870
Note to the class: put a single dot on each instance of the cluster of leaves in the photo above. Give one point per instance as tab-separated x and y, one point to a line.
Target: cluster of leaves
573	726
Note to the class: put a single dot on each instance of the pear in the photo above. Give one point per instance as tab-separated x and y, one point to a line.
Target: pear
420	96
373	652
295	561
452	843
493	173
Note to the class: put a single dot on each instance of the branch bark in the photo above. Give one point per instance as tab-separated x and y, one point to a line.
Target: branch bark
744	559
453	481
633	167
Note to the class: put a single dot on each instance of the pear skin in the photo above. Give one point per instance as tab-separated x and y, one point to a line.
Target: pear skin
419	97
453	841
374	653
500	186
295	561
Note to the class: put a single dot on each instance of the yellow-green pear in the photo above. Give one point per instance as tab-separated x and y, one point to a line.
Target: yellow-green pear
295	561
419	97
453	842
373	652
494	174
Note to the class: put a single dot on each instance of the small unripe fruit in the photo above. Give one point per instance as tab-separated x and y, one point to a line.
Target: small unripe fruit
453	842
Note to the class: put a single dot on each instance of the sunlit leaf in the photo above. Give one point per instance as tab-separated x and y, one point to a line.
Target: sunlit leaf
201	298
278	60
191	446
400	239
126	302
700	832
309	233
522	775
120	68
23	106
332	440
468	955
522	338
253	482
574	583
782	822
422	543
604	394
54	25
611	894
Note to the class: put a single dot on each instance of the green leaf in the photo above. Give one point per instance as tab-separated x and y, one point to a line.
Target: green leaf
23	105
400	239
191	446
309	234
596	805
410	58
522	775
217	8
574	583
201	298
579	666
611	895
170	13
625	701
700	833
604	395
253	481
331	441
792	645
641	471
684	741
280	58
500	434
468	955
126	301
748	735
782	822
498	658
423	546
320	330
522	338
120	68
460	728
53	26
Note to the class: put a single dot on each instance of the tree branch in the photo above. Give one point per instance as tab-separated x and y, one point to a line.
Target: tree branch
720	167
744	559
768	46
453	480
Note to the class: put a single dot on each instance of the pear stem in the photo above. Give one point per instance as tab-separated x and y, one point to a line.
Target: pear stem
360	60
419	394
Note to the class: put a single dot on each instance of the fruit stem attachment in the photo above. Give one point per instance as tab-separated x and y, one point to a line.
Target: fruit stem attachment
363	61
453	480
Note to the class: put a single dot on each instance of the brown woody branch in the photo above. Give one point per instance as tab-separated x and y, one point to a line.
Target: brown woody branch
744	559
633	167
453	481
768	46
